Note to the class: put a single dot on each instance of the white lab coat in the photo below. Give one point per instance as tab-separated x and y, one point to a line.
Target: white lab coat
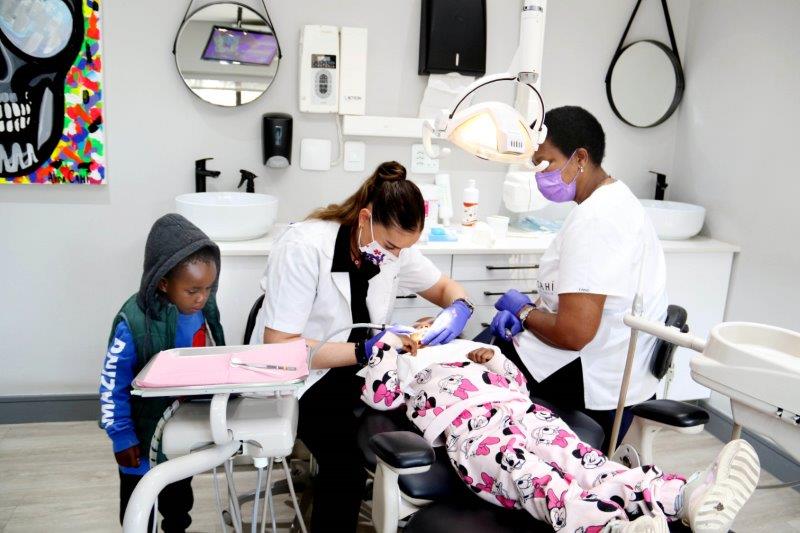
304	296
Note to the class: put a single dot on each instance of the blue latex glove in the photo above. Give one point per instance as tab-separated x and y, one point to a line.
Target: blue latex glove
505	325
512	301
448	324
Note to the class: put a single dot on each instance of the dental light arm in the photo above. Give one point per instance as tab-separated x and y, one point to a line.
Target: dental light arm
490	130
496	131
525	78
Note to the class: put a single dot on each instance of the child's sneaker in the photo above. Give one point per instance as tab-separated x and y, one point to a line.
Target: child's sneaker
643	524
713	497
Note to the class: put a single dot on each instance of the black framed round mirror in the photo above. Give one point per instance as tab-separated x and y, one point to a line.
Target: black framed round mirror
227	54
646	83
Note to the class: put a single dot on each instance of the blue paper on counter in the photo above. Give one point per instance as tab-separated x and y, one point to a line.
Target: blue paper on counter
442	235
529	223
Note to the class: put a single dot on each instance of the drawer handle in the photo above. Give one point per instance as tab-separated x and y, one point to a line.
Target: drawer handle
490	293
520	267
407	296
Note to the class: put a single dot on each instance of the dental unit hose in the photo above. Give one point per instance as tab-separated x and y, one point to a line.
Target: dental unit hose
329	336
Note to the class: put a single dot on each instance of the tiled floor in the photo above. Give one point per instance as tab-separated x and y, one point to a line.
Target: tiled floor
62	477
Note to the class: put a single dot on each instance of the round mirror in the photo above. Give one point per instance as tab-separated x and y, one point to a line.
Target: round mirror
227	54
646	84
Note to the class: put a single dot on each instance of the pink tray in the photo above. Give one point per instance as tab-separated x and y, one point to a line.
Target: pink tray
186	367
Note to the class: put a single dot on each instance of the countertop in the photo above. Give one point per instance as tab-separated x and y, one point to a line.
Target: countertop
514	243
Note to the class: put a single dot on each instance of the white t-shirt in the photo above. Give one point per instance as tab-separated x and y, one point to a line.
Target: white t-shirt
599	251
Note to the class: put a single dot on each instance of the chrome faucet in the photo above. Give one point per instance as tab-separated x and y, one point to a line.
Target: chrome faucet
201	173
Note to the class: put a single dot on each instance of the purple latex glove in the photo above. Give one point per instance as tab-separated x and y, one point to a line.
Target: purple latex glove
448	324
397	329
505	325
370	343
512	301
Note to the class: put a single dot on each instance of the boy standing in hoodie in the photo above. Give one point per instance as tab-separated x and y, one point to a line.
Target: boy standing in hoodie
175	307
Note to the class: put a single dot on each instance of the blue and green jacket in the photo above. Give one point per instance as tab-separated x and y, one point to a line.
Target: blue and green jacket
146	324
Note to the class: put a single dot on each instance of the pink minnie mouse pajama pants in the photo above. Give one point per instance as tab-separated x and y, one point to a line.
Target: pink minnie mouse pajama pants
520	455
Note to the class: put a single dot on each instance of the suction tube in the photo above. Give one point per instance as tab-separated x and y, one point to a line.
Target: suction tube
329	336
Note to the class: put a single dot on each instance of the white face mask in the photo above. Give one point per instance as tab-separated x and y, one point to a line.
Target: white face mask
374	252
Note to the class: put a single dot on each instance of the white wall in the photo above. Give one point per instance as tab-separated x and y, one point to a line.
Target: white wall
580	40
71	255
737	145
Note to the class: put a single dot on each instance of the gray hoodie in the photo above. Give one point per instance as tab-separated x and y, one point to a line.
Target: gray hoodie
171	240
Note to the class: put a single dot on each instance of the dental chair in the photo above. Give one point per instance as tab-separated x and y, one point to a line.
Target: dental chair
237	427
416	488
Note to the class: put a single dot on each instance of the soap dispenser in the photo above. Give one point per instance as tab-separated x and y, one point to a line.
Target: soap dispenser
247	178
276	138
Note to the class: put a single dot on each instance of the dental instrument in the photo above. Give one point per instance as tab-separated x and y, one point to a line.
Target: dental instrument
238	362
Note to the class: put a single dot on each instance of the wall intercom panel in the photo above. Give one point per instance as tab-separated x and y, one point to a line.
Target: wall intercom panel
319	69
333	70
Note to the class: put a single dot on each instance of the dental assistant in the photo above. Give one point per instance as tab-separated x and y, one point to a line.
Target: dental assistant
343	265
571	339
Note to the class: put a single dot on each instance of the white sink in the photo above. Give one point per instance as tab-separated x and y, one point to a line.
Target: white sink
229	216
675	221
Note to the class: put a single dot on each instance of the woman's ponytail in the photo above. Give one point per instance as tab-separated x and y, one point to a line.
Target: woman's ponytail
395	201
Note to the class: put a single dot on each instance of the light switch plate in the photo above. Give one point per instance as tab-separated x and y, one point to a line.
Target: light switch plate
421	163
355	153
315	154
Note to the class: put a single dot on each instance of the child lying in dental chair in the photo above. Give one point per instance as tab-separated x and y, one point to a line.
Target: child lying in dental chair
518	454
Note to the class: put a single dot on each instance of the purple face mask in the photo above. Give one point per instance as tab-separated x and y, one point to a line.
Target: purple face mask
551	184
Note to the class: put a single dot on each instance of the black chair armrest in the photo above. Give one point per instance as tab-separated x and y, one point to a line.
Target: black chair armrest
671	412
402	449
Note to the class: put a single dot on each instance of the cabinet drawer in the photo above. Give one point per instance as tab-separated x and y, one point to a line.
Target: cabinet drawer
483	316
410	301
495	266
408	316
402	300
479	321
489	291
442	262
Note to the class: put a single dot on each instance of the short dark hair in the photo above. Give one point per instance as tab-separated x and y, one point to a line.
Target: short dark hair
572	127
203	255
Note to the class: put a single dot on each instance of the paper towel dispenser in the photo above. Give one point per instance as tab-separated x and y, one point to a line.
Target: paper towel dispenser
452	37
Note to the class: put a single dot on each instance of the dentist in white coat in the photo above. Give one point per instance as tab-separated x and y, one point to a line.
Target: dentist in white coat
343	265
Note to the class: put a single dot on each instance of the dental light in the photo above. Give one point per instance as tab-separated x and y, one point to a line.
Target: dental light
490	130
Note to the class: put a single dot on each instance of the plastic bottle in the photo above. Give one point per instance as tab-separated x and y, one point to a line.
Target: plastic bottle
470	200
445	198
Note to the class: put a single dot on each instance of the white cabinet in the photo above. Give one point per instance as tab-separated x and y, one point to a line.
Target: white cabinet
239	286
698	273
698	282
495	266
